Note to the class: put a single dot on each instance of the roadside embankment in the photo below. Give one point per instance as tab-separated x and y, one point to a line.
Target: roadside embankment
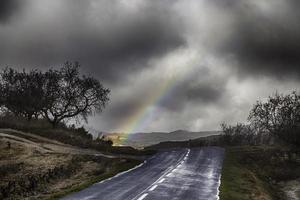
260	173
34	167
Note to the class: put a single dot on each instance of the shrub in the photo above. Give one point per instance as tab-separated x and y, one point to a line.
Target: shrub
279	115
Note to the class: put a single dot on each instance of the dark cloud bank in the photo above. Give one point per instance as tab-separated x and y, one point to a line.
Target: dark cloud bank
122	43
7	9
267	43
116	41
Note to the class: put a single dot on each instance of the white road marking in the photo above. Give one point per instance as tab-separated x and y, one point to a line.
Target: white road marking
88	197
173	170
161	180
143	196
119	174
153	188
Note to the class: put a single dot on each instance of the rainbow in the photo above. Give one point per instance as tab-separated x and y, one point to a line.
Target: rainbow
145	112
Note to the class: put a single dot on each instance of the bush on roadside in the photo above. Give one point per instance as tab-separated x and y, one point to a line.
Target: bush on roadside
279	115
276	118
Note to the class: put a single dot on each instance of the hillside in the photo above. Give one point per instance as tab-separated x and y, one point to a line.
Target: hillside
35	167
212	140
140	140
261	172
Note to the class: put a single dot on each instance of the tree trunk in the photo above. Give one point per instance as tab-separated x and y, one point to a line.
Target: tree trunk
53	122
29	117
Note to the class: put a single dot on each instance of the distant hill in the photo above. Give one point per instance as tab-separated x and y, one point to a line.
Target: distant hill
140	140
212	140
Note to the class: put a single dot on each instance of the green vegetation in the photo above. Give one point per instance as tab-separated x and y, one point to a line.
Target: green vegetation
238	182
279	116
276	119
255	172
263	155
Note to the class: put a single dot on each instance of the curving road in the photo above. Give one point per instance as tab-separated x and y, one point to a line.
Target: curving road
182	174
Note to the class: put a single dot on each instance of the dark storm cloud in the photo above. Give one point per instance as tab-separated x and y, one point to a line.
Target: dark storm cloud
108	43
196	89
135	46
267	42
224	3
201	94
199	89
123	109
130	49
7	9
205	93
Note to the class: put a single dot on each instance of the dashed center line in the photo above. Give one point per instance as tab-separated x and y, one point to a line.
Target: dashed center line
143	196
161	180
153	188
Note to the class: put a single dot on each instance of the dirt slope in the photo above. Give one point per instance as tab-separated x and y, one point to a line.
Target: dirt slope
43	144
34	167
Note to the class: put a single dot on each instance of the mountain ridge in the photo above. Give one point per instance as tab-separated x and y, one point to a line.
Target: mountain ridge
142	139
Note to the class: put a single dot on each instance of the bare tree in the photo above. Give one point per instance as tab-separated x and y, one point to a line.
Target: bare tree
56	95
70	95
277	113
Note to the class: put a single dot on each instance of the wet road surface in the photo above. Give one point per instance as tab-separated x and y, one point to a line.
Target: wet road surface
182	174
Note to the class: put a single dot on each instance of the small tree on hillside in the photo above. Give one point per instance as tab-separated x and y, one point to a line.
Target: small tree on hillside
70	95
279	115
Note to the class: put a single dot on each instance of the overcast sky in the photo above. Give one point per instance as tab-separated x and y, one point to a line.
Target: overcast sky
188	64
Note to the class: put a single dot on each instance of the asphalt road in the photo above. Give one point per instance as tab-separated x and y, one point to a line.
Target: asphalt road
183	174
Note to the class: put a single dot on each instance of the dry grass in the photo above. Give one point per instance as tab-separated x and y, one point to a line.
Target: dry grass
257	172
38	168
